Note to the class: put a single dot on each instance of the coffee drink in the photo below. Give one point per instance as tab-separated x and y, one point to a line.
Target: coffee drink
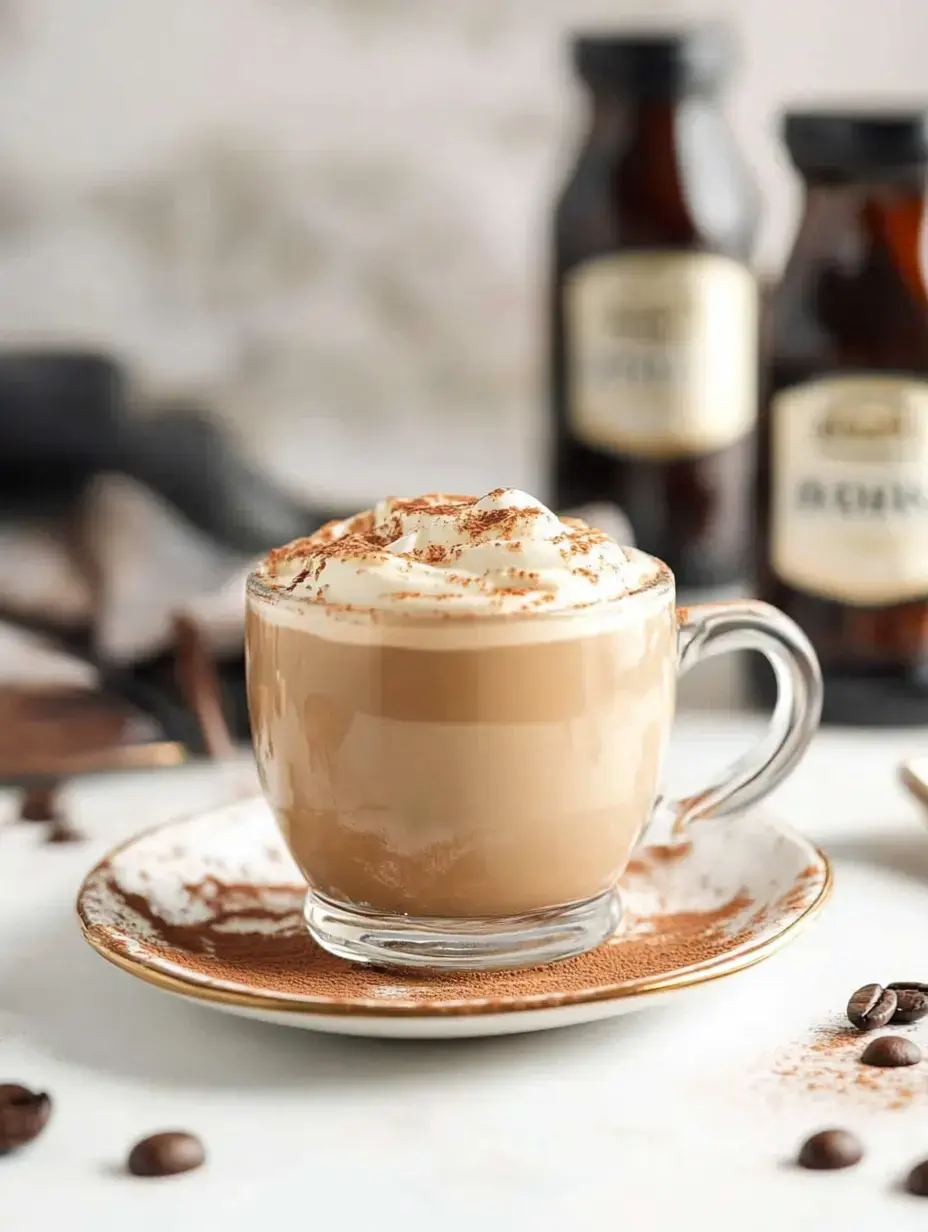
442	727
459	710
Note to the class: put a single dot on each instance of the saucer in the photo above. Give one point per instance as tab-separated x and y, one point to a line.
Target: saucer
209	908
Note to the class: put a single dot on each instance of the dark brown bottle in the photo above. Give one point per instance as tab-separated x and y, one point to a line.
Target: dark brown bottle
843	442
654	316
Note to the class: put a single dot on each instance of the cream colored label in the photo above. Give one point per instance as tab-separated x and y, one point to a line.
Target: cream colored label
849	488
661	352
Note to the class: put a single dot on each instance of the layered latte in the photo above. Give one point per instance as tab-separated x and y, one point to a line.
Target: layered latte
459	706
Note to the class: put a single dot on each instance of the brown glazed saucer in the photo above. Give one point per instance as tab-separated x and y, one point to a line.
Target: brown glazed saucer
209	908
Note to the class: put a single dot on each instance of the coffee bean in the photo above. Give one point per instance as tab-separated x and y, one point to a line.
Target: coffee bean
39	804
890	1051
23	1115
830	1149
61	832
917	1180
166	1154
871	1006
911	1003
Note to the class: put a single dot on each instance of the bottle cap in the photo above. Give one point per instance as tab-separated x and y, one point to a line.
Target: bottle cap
849	143
655	61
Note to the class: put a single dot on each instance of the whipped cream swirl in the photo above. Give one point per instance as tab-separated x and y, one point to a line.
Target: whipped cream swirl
505	552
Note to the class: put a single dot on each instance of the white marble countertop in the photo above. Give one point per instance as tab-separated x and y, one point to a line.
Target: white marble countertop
662	1117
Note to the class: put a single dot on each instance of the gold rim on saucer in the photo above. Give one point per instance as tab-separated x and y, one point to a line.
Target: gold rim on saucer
699	973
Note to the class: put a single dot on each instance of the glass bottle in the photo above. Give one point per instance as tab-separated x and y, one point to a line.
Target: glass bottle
843	442
654	314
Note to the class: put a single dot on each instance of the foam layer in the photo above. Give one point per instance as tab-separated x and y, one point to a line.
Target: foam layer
504	553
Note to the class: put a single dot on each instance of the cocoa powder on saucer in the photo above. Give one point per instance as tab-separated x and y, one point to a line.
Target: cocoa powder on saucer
659	853
254	937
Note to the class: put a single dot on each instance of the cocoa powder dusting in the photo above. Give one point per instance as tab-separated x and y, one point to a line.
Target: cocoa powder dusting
361	537
254	937
437	554
660	853
827	1064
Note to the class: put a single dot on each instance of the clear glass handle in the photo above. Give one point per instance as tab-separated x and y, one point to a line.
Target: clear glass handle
716	628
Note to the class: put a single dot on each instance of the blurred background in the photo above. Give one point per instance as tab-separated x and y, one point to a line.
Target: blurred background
327	218
308	244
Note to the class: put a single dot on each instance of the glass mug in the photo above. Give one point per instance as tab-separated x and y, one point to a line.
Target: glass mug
465	793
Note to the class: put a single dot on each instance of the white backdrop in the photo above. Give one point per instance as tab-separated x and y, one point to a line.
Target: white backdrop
329	216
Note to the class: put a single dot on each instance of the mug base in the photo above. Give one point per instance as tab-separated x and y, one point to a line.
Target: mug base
438	944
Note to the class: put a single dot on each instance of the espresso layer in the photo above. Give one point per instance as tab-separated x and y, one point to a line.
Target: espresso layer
478	782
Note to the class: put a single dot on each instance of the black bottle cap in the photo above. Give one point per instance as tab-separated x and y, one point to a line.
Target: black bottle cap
847	143
655	61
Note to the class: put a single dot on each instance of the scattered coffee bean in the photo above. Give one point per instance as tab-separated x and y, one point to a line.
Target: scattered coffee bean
917	1180
61	832
166	1154
23	1115
911	1002
39	804
871	1006
890	1051
830	1149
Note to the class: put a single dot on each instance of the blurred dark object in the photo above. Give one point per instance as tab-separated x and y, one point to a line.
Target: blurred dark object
654	331
843	476
55	733
50	735
200	685
165	689
65	418
82	573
